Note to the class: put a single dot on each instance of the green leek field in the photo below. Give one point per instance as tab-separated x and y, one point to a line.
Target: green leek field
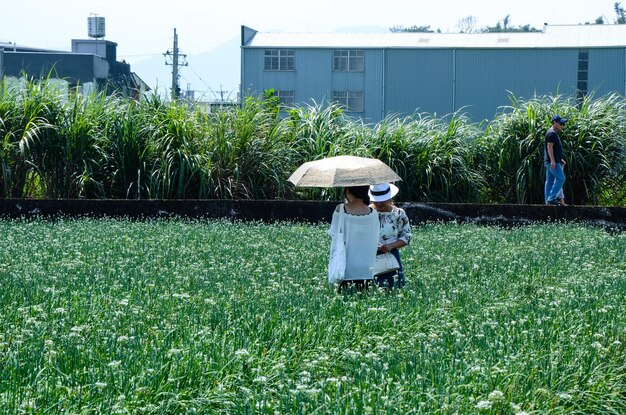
101	316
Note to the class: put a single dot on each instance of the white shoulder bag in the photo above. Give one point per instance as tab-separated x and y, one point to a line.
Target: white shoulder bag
385	263
337	262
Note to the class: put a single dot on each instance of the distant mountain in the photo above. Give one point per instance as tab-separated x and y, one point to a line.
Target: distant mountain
209	74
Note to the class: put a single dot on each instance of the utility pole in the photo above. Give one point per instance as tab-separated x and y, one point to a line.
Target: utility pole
178	60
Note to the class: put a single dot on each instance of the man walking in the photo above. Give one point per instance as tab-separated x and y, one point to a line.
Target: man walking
553	160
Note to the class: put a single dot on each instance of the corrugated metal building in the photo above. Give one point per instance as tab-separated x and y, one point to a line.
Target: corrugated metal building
377	75
92	64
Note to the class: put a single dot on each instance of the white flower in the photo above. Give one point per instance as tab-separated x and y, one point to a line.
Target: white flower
483	405
496	396
181	295
114	363
28	405
171	352
242	352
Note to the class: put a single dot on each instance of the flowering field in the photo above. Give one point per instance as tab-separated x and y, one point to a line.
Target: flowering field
113	316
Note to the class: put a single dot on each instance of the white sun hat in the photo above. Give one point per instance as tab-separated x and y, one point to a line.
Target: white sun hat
382	192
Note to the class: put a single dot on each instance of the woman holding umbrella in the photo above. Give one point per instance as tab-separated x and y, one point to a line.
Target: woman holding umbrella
355	227
360	233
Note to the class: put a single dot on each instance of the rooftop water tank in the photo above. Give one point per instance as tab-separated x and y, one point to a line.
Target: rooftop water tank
96	26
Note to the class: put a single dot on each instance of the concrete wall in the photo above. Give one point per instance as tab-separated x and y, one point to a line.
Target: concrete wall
308	211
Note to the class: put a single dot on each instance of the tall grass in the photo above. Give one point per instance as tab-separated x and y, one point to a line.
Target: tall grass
29	118
594	143
434	157
248	156
100	146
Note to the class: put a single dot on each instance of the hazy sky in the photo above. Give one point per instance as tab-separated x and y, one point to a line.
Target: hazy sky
144	28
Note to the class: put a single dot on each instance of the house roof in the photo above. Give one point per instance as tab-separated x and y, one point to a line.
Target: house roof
138	83
13	47
556	36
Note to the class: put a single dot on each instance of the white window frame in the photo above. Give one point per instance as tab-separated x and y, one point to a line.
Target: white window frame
287	98
352	101
349	60
279	60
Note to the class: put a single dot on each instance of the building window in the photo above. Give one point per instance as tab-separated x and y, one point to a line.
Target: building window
348	61
352	101
287	98
583	73
280	60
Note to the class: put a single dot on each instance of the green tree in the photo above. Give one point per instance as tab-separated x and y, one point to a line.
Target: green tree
504	27
413	29
620	12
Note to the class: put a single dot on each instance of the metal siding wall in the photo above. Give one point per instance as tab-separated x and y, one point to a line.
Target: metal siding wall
313	82
558	71
422	80
374	72
251	72
486	78
419	80
255	79
314	79
606	71
76	68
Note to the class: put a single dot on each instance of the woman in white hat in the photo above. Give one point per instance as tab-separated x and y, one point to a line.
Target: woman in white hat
395	229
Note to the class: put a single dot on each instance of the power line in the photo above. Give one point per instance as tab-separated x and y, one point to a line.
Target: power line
217	94
140	54
199	77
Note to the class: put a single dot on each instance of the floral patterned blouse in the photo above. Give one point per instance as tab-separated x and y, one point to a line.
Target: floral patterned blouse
394	226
